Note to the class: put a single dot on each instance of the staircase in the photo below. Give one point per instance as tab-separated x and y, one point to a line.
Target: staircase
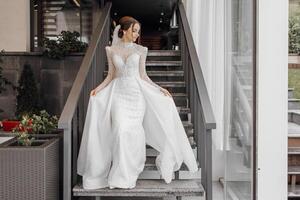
52	9
293	145
173	70
165	68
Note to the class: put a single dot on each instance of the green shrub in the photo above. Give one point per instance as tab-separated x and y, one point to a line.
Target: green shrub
41	123
294	34
66	43
28	95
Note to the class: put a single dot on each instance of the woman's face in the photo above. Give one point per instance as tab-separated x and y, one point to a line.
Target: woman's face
132	33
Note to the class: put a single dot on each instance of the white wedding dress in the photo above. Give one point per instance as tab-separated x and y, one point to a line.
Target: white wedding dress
129	112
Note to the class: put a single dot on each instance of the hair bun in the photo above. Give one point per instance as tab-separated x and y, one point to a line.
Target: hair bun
120	33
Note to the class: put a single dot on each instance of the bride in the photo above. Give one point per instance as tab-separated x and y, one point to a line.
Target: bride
126	112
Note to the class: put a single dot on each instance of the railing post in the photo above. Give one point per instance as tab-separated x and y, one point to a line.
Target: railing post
208	160
67	194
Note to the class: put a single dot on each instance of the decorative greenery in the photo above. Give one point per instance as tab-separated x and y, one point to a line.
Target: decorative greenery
294	34
41	123
44	123
28	95
4	81
66	43
294	81
22	131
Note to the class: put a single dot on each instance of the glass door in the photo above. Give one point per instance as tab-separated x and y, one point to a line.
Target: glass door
239	102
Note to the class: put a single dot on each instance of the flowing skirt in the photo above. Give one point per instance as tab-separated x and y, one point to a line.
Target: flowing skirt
121	119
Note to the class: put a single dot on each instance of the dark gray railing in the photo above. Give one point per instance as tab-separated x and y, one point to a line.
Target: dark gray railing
73	115
199	102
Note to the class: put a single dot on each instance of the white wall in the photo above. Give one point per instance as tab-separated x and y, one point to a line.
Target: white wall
272	80
15	25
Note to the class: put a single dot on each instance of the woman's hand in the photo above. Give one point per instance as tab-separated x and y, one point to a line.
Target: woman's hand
94	92
166	92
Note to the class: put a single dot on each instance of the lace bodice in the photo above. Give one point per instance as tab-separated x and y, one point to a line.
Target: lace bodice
126	59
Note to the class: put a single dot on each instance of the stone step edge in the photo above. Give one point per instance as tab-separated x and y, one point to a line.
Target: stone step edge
149	187
164	53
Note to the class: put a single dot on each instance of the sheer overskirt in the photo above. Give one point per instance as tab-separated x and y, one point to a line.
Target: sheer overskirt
124	116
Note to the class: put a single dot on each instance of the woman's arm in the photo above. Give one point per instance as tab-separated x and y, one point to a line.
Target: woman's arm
110	73
143	73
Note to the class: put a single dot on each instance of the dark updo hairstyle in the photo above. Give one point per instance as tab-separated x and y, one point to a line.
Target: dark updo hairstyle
125	23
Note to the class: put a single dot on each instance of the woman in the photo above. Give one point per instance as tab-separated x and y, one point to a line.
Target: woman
126	112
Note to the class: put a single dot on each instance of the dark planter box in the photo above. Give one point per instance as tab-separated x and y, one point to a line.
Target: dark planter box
30	173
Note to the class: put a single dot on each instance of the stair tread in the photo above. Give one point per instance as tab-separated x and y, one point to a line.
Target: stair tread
294	150
163	53
294	111
152	152
166	73
293	129
152	167
171	83
183	109
293	100
178	94
294	191
163	63
157	188
293	169
162	73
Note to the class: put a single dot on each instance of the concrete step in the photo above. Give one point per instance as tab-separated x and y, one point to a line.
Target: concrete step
191	139
291	93
294	104
293	170
163	53
174	75
294	150
150	152
160	55
293	130
166	65
173	86
147	188
294	116
150	165
161	73
184	113
293	191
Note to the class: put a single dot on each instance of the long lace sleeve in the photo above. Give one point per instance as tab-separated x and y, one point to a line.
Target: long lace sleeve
142	67
111	70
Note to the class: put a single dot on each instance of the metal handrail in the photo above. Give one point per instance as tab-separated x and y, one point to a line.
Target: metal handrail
201	110
72	117
199	79
71	103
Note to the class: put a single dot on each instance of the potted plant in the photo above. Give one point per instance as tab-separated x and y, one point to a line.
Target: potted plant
66	43
41	125
30	160
27	98
27	162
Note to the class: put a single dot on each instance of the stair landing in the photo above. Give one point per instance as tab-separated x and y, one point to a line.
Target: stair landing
148	188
